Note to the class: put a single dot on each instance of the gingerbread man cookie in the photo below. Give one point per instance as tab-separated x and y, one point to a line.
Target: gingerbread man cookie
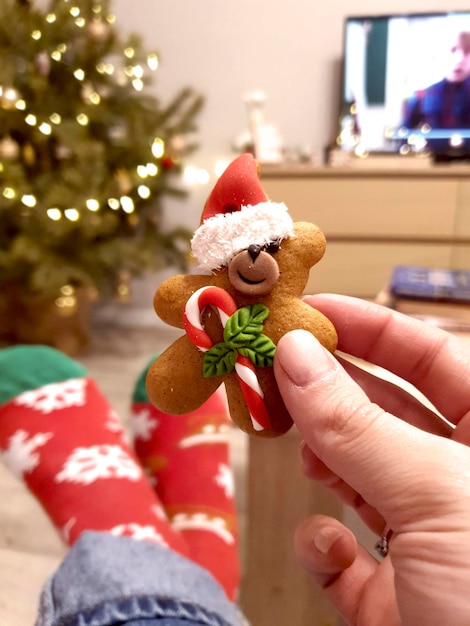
257	262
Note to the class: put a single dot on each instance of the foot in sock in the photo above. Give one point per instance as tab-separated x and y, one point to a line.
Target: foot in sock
187	458
60	435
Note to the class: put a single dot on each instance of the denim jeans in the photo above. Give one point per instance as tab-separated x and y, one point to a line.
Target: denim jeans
106	580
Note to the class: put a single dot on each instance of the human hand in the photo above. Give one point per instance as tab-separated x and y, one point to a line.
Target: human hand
388	456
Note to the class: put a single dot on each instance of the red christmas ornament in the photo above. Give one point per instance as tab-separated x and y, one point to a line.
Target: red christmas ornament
167	163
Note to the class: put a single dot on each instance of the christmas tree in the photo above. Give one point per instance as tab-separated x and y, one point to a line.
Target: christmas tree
86	154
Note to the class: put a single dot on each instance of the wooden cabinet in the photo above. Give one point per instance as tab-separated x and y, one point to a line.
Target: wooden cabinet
376	219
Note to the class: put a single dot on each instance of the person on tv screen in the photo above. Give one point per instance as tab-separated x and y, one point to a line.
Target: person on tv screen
445	104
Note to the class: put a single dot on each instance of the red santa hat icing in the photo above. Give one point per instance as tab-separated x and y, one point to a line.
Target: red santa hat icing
236	215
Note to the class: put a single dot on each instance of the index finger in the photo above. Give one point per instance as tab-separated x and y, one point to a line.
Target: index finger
434	361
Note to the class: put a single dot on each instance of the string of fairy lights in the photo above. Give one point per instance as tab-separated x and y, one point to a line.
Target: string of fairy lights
133	72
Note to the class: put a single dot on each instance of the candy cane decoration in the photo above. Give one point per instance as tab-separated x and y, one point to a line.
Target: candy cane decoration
244	368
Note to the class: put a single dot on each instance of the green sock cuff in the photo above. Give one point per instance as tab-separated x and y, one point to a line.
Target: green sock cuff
25	367
140	390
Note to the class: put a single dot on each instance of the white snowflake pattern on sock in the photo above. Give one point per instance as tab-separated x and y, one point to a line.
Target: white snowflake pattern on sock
159	511
202	521
55	396
139	532
143	424
86	465
114	425
208	434
65	530
225	480
21	456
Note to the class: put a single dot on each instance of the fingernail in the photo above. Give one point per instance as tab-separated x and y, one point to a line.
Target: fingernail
325	538
303	358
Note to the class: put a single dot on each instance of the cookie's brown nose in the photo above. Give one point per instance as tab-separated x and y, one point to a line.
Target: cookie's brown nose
254	251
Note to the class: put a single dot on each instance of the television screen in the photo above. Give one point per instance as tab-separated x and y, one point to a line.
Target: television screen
406	83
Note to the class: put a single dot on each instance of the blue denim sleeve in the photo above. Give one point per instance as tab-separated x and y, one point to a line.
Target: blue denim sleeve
106	580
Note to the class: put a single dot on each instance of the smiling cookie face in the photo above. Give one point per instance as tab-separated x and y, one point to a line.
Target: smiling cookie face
259	272
254	272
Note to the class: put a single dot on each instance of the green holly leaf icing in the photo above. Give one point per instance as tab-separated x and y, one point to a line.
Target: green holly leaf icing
245	325
219	360
260	351
242	334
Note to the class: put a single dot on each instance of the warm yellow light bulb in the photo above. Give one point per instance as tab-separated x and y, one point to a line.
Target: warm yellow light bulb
72	214
143	191
45	128
203	176
51	18
79	74
20	105
28	200
137	84
127	204
158	147
152	61
92	204
190	174
55	118
129	53
80	22
113	203
194	176
36	35
10	96
82	119
9	193
31	120
54	214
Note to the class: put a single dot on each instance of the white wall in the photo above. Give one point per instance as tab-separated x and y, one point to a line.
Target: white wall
291	50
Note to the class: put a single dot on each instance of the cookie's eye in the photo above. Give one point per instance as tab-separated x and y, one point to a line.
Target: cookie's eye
273	246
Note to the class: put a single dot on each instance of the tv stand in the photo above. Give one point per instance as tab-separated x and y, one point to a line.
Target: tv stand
440	158
377	218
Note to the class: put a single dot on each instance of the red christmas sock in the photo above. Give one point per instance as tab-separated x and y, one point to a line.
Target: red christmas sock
187	460
60	435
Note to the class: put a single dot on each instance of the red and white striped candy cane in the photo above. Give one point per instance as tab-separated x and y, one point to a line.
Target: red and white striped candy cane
244	368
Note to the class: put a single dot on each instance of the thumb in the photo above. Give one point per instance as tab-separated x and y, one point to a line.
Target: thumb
382	457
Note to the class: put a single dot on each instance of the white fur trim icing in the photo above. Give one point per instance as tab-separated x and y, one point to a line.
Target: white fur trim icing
222	236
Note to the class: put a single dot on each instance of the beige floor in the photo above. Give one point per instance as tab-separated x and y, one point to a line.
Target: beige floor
29	547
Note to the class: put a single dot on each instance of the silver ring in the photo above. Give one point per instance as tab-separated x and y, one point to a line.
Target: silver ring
383	544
